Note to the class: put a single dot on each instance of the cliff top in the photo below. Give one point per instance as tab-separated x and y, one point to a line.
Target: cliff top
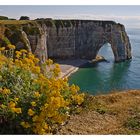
48	19
56	22
16	22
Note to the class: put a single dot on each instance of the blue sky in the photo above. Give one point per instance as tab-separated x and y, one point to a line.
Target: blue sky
128	15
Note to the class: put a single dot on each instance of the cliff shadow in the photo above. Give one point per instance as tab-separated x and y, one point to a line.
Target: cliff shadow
73	62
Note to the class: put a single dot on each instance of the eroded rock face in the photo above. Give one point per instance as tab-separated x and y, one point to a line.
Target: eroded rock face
69	38
85	39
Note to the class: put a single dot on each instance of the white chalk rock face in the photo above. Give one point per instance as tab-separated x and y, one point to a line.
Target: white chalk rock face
62	39
85	38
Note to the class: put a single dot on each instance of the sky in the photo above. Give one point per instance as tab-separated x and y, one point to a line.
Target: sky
127	15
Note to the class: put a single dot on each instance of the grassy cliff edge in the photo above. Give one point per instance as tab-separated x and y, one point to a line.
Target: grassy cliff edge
115	113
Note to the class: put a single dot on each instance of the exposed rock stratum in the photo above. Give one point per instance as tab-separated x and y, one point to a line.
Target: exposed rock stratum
62	39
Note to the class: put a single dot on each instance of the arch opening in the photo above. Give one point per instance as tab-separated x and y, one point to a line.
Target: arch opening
106	52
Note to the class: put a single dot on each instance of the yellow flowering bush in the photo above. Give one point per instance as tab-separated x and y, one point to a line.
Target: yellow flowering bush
33	99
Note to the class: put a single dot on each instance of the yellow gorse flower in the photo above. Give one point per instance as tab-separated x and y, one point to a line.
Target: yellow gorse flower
74	88
31	112
11	46
33	103
36	69
16	99
35	118
2	48
49	97
6	91
18	54
36	94
46	126
16	110
12	104
23	51
49	62
13	108
78	98
25	124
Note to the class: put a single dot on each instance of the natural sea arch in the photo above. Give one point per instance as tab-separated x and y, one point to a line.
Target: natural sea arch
107	52
71	39
85	38
103	77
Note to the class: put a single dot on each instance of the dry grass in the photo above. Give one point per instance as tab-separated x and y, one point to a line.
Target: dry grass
17	22
116	113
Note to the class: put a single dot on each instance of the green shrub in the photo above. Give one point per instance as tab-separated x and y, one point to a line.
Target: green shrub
29	30
3	18
32	102
24	18
133	123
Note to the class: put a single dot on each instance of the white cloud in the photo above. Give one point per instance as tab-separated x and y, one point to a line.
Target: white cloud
98	17
80	16
128	21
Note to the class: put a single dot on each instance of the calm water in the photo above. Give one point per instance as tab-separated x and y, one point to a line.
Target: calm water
105	77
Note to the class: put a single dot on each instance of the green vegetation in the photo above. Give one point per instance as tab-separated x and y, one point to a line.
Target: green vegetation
32	101
16	22
15	37
31	30
12	31
24	18
12	28
101	110
123	36
4	41
133	123
3	18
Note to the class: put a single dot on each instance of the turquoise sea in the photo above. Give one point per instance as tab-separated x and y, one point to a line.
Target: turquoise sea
108	76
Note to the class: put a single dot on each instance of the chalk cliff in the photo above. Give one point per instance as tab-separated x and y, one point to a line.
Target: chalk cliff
68	38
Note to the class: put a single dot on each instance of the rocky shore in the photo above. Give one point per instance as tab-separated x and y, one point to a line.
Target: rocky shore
70	66
99	59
